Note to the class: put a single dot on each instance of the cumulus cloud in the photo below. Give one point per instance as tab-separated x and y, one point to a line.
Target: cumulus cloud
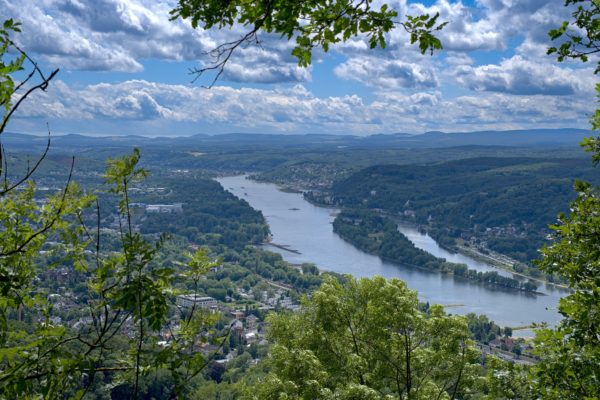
466	30
139	106
119	35
523	77
469	87
389	74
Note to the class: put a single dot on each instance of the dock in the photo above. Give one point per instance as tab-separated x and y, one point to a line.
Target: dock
283	247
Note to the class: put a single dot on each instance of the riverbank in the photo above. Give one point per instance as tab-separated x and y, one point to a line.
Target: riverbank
493	261
309	230
475	254
285	247
371	232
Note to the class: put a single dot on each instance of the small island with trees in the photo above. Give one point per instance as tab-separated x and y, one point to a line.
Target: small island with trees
379	235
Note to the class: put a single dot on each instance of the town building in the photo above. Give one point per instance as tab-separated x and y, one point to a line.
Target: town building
164	208
191	300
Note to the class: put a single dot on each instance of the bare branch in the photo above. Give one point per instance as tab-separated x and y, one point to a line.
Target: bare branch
30	172
222	53
48	225
41	86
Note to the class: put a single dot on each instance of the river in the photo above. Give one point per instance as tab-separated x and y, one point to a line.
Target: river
307	229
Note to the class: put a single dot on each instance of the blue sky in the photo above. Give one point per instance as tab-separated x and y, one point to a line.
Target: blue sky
124	70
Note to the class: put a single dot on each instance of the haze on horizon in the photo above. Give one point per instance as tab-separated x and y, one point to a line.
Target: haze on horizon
124	72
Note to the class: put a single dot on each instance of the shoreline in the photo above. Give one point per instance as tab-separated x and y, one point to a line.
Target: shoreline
459	249
454	276
474	254
284	247
468	252
479	256
510	319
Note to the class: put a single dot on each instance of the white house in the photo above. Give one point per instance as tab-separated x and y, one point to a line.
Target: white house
189	300
164	208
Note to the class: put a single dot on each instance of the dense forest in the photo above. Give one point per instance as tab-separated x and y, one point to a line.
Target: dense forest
507	203
210	216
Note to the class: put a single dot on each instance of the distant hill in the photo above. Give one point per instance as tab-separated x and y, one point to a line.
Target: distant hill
249	141
506	201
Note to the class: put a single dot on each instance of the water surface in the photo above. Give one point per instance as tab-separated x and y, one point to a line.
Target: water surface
306	228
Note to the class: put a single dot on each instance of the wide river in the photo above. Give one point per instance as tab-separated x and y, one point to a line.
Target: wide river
306	228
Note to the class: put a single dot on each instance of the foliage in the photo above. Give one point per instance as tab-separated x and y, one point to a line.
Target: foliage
7	68
211	215
127	295
312	24
571	352
581	35
508	380
592	144
516	198
367	339
482	329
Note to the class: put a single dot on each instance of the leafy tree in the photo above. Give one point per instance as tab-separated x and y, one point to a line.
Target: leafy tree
312	24
570	353
367	339
581	35
507	380
127	294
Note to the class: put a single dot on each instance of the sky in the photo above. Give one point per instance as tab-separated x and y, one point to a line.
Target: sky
124	69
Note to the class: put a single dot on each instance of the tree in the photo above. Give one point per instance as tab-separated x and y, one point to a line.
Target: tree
128	294
367	339
569	353
312	24
581	35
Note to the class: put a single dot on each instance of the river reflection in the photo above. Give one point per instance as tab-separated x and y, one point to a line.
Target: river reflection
301	226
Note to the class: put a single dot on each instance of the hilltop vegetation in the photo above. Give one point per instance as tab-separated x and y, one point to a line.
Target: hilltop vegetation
504	204
210	216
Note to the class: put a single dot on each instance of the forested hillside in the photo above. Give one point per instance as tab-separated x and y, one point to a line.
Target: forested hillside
504	203
210	215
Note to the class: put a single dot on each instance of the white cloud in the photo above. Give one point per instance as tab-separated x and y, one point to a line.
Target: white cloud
409	92
388	74
523	77
465	30
154	108
118	35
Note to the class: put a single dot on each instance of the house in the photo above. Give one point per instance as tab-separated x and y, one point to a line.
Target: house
237	326
251	337
237	314
164	208
191	300
286	302
251	321
504	343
